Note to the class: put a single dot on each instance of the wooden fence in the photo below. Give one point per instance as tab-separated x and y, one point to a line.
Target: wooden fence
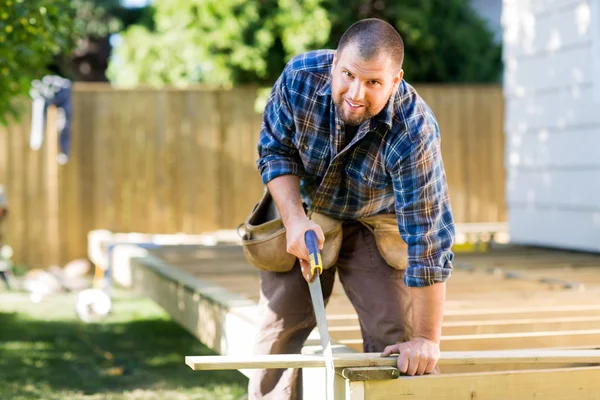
167	161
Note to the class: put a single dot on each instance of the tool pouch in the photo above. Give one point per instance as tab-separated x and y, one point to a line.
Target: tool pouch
390	244
265	244
264	241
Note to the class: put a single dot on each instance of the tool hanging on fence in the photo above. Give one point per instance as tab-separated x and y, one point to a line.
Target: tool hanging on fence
316	294
51	90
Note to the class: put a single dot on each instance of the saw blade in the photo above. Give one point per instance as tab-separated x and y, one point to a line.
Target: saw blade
316	294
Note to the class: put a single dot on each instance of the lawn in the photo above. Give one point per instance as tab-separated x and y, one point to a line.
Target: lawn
137	352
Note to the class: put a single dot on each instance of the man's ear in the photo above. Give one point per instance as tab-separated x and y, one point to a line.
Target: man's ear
399	77
334	58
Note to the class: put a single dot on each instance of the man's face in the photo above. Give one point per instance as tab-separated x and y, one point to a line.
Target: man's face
361	88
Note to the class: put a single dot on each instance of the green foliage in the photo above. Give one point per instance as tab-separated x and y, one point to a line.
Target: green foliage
31	33
100	18
226	42
94	22
92	17
444	40
219	42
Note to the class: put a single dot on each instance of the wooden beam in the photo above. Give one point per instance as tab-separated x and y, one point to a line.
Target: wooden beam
375	360
452	328
370	373
483	313
518	340
569	383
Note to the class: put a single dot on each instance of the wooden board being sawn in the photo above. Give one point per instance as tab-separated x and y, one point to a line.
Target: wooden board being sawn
517	311
487	308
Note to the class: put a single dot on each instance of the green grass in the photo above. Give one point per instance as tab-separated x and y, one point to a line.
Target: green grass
137	352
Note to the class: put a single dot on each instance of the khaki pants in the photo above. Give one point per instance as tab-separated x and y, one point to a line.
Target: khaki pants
376	290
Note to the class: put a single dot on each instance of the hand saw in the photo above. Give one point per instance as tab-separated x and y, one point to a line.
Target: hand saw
316	294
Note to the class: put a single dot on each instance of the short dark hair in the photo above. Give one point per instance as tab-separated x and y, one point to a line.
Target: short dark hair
373	36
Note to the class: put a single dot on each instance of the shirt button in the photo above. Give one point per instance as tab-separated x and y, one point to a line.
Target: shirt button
339	127
364	178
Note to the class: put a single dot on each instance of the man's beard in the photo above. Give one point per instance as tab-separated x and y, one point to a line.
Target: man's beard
352	120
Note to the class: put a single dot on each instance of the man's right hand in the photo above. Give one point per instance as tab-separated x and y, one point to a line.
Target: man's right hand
296	244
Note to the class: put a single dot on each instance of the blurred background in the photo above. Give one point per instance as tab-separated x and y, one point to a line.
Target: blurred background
161	108
143	116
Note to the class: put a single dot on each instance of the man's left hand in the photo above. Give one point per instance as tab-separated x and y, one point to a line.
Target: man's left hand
416	357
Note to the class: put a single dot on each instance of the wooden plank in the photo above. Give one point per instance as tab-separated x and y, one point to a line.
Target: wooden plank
34	181
470	369
186	170
520	340
517	340
118	154
102	162
86	177
355	390
341	360
173	133
126	153
146	199
141	203
451	328
16	194
453	136
370	373
52	186
73	243
520	325
162	166
498	156
207	148
580	383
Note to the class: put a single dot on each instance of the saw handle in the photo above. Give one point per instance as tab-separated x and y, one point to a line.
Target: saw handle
312	243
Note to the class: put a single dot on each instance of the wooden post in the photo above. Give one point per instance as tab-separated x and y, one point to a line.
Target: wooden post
52	190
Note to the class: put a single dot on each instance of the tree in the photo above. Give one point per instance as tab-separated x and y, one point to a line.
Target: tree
95	21
32	32
235	41
444	40
219	42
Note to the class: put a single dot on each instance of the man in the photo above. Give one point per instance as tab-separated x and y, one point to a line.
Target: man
344	135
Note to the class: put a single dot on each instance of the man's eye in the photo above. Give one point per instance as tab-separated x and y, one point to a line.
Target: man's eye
375	83
347	73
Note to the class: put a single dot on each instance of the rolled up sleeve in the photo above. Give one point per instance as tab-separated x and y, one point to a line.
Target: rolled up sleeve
277	153
423	209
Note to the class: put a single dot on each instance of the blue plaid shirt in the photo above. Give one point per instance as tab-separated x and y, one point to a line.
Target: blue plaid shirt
392	165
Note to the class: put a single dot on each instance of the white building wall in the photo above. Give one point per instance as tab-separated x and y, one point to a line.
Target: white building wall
552	121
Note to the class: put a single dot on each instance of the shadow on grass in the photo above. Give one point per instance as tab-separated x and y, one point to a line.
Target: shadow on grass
69	356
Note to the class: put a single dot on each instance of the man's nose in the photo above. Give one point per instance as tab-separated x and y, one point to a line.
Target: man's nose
356	91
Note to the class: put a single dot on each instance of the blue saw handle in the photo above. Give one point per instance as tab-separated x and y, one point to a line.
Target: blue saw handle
312	242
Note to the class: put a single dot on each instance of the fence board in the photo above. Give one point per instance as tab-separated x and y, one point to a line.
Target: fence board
176	160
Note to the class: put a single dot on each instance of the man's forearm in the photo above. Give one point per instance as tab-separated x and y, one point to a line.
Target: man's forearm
285	190
428	311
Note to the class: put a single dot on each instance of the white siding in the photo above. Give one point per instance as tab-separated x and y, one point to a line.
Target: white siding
552	121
